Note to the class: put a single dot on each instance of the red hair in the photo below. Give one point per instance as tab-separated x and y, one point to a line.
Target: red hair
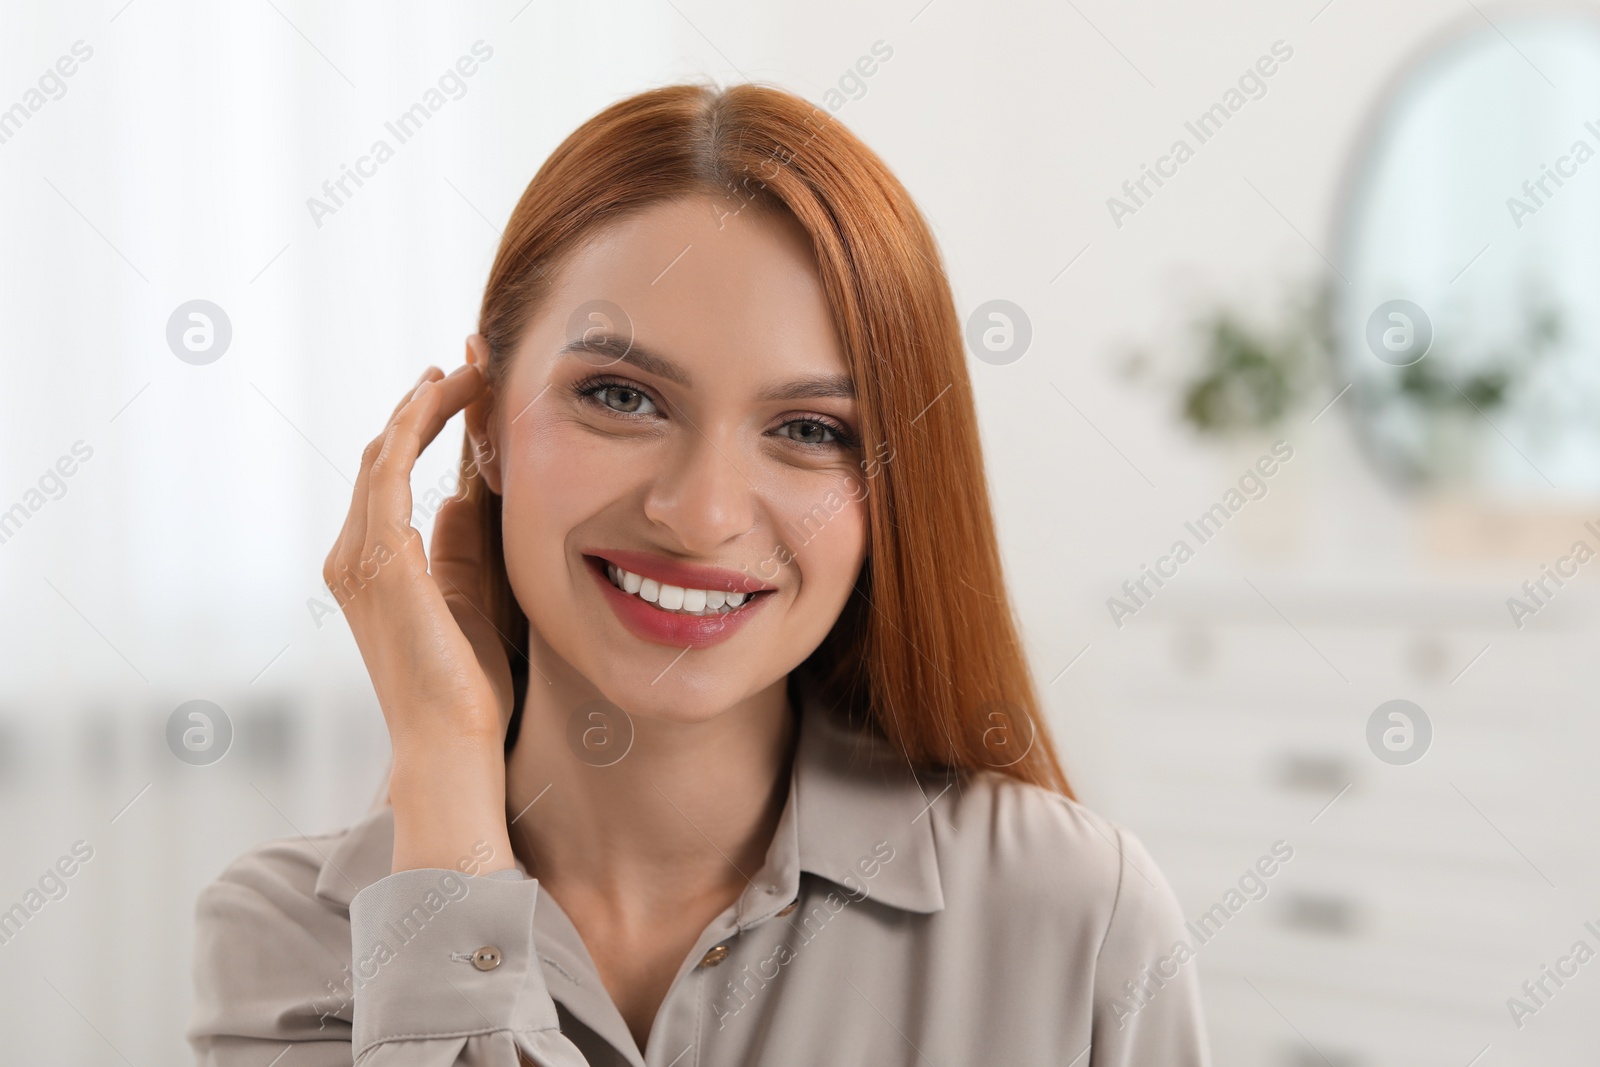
926	650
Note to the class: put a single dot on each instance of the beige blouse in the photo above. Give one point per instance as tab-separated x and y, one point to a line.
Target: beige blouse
899	919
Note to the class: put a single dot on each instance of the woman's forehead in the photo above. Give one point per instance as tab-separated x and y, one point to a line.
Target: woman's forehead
707	292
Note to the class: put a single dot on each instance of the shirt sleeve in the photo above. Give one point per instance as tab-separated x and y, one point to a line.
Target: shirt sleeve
1147	993
454	974
443	971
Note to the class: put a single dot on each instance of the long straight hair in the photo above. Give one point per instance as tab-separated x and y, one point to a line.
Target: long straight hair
926	650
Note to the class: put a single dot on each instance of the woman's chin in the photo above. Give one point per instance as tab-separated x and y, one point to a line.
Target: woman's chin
683	704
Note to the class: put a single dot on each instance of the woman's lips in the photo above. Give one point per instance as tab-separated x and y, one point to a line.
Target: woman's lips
684	575
676	628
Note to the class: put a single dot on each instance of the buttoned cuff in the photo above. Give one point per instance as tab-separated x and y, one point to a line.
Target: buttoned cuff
436	953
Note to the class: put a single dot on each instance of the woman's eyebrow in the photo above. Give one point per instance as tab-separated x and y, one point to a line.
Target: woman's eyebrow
620	350
821	387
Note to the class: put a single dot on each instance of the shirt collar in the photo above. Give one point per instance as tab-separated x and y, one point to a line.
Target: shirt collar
853	801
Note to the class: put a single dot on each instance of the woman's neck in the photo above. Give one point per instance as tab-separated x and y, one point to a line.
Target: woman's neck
690	808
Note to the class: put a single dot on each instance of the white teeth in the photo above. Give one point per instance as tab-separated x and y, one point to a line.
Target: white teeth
675	598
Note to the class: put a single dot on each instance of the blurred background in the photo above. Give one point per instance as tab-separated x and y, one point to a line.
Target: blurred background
1307	287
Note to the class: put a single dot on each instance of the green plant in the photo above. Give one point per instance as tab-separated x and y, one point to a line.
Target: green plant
1429	386
1239	377
1246	379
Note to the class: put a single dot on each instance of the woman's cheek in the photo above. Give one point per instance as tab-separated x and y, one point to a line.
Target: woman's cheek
564	465
554	479
828	538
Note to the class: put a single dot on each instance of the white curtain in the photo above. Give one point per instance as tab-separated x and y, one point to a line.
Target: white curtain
175	561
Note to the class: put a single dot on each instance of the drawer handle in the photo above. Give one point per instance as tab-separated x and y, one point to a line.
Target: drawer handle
1313	773
1322	914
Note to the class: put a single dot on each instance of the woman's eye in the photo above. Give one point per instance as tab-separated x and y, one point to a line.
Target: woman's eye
622	398
808	432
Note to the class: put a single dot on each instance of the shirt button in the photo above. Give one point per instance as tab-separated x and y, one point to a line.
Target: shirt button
714	956
486	958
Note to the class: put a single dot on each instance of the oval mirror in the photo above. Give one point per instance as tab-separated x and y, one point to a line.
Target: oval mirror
1467	318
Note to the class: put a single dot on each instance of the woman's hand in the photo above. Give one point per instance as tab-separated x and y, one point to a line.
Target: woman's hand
436	661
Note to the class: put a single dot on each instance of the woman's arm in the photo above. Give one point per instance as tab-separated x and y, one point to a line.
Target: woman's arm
437	664
443	968
468	990
1146	990
273	985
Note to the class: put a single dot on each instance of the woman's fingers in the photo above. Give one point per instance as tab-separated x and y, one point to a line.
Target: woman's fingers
353	546
432	374
456	556
413	429
455	562
352	536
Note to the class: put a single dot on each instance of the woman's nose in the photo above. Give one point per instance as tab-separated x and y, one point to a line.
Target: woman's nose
702	496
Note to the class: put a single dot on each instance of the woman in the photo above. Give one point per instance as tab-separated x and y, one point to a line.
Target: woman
713	739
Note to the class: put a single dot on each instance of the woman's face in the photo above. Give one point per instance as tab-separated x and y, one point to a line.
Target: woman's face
677	446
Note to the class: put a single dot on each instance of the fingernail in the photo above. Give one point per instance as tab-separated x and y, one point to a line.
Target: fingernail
423	388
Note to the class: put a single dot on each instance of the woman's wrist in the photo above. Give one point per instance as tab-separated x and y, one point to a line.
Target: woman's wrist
449	812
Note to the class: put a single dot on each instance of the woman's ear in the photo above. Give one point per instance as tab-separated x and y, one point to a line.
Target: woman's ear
479	418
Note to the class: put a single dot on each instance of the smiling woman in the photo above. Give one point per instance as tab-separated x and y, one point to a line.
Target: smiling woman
714	642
